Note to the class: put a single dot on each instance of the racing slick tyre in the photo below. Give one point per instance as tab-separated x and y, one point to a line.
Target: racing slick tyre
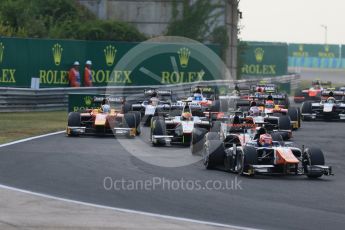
215	107
284	123
158	127
312	156
294	114
73	120
197	142
298	94
129	121
306	108
277	137
212	136
246	158
224	105
137	115
127	107
213	154
216	126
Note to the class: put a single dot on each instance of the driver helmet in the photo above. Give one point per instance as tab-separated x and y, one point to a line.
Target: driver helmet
269	104
197	97
106	108
265	140
331	100
254	111
186	116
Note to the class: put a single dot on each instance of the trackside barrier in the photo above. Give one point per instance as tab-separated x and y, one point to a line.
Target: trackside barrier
54	99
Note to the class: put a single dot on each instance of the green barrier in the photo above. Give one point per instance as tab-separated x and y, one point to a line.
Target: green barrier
314	55
264	59
50	60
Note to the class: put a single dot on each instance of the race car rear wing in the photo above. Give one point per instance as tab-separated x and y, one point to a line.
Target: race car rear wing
323	83
110	98
267	88
266	96
149	92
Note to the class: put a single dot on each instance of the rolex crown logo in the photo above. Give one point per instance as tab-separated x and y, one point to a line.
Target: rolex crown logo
88	100
110	53
57	53
300	48
2	48
326	48
259	54
184	54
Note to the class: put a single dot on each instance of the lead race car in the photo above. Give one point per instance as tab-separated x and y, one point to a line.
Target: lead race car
156	102
178	129
104	120
326	109
250	154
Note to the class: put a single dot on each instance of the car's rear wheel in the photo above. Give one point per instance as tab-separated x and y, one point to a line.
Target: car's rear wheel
284	122
158	127
213	153
74	120
127	107
312	156
246	158
215	106
306	108
137	115
198	141
294	115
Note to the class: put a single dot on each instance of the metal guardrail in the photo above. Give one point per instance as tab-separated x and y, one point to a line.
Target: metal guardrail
52	99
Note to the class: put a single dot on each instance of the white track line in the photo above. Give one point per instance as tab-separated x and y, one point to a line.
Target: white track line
126	210
108	207
31	138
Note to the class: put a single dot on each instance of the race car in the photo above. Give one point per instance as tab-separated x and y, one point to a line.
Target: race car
206	97
104	120
329	109
155	103
177	129
266	106
313	93
263	154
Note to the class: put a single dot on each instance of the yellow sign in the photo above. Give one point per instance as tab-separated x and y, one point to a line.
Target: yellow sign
259	54
326	53
110	53
184	54
2	48
57	53
300	52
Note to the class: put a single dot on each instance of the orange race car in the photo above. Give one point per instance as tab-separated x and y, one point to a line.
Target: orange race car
104	120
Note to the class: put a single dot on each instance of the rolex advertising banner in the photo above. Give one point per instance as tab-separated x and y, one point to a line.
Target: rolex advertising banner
314	55
264	59
343	56
112	63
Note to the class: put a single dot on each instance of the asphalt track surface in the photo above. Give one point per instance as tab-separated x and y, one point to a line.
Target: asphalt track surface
336	76
75	168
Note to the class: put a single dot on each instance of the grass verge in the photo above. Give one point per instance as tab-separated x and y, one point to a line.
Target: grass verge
20	125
